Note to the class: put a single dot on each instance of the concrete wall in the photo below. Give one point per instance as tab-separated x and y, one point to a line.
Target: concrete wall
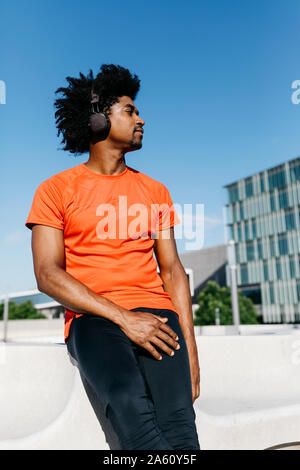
250	396
31	330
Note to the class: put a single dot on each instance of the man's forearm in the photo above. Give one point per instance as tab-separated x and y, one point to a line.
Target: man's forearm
74	295
176	284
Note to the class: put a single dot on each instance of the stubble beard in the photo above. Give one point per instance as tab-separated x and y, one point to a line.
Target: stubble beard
135	144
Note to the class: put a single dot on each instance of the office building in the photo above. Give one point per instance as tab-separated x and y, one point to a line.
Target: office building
263	217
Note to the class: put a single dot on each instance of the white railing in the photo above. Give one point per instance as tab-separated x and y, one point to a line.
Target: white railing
12	295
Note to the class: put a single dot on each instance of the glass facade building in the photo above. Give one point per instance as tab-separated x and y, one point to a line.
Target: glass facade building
263	215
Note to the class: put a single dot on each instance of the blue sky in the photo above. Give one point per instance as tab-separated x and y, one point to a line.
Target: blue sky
215	94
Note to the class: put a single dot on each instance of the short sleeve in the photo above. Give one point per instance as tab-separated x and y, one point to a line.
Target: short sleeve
167	216
47	207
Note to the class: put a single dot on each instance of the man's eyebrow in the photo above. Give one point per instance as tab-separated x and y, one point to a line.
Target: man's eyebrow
132	108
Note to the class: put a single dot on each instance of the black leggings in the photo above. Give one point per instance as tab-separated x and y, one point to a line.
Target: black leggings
148	402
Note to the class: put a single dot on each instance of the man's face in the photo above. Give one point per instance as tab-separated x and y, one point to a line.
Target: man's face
126	125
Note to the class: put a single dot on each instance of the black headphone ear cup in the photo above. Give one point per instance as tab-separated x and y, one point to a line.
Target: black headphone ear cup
99	125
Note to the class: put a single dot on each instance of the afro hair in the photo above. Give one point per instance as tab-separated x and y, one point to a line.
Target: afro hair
74	107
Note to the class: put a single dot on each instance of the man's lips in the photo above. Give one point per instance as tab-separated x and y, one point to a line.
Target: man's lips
140	130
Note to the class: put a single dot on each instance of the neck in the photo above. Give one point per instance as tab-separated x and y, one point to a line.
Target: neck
106	161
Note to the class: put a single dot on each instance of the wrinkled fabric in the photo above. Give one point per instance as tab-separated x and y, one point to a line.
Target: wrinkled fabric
148	402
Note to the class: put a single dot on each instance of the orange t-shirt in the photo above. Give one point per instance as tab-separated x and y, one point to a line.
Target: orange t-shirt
109	224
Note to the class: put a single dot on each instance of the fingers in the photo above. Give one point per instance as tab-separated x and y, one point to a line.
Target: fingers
166	334
165	327
152	350
168	339
162	319
163	346
168	330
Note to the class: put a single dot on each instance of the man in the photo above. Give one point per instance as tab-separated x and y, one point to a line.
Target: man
129	329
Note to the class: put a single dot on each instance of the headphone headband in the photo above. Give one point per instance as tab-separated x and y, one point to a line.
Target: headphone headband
99	122
94	101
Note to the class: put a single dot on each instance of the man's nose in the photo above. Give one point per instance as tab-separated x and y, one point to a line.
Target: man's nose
140	121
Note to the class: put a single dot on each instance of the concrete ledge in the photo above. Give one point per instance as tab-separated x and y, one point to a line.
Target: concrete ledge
250	395
43	404
250	391
40	329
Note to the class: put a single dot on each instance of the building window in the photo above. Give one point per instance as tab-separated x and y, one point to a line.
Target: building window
298	290
244	274
272	246
241	211
250	251
249	187
253	292
266	271
283	199
254	234
272	202
278	269
247	232
233	193
237	253
234	212
276	178
282	313
282	245
292	268
290	220
262	184
239	232
272	297
259	249
295	171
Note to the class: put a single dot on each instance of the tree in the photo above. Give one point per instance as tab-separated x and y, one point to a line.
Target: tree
24	310
213	296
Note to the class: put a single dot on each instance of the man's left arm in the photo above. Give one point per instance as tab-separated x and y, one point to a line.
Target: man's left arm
176	283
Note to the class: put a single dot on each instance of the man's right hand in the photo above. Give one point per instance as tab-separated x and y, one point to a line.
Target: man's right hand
144	328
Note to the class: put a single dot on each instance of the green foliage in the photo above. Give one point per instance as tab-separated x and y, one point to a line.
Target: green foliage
24	310
213	296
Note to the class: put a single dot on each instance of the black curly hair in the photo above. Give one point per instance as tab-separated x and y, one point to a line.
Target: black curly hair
74	108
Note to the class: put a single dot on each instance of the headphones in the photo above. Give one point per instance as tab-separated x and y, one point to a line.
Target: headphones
99	122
